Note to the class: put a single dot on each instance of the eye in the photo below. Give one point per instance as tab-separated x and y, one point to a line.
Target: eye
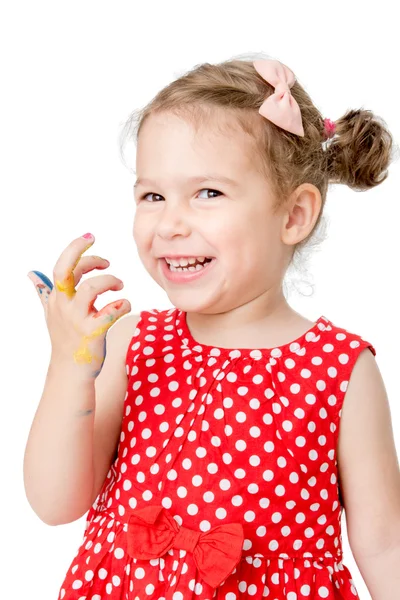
145	195
159	195
210	190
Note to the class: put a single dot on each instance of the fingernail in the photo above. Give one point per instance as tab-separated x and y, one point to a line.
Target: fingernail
88	236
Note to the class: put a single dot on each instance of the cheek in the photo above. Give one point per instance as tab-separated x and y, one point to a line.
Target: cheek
140	232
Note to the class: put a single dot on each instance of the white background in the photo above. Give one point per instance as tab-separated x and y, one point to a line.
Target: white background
71	73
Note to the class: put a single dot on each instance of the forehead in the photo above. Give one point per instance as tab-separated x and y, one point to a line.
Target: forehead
167	139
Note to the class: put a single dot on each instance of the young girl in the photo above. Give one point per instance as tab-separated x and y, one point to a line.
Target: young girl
207	445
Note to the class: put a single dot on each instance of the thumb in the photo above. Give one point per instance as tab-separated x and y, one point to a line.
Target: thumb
42	284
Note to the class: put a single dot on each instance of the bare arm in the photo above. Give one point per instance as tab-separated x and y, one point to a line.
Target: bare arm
58	461
369	477
71	446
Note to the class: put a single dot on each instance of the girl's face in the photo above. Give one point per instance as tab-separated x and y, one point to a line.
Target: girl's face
229	220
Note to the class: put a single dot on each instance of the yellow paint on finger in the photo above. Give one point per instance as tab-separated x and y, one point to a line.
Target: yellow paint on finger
67	285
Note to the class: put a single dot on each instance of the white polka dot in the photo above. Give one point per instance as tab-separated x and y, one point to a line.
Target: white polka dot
224	484
237	500
343	359
208	496
261	531
300	441
289	363
254	460
240	473
252	589
241	417
201	452
139	573
197	480
249	516
268	475
255	432
269	446
219	413
149	589
252	488
240	445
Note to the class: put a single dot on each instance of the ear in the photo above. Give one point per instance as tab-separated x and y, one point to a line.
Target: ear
302	213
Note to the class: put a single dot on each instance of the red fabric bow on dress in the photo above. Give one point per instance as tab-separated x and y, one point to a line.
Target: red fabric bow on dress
152	531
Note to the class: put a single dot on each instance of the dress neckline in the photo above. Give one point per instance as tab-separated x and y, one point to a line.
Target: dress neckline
309	336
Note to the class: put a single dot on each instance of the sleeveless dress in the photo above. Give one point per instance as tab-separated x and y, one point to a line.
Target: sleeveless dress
225	484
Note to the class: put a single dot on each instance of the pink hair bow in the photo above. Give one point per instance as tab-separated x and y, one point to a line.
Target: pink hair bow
280	107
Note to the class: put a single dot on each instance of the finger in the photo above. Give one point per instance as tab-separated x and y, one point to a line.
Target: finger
90	289
87	264
64	279
110	313
42	284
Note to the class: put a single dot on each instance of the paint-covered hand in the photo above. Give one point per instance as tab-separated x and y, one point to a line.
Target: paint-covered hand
77	329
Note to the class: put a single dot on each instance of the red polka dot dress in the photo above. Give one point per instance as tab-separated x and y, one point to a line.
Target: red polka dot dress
226	483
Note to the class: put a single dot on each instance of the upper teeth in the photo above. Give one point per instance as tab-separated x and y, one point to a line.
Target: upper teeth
182	262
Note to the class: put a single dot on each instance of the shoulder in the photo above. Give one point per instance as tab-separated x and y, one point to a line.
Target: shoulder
352	359
344	339
121	333
349	353
365	393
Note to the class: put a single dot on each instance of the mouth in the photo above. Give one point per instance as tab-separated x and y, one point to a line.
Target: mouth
187	274
197	266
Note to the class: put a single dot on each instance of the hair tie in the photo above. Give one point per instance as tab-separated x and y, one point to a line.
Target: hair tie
328	134
329	129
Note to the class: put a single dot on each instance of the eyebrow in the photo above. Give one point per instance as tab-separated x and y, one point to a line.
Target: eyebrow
199	179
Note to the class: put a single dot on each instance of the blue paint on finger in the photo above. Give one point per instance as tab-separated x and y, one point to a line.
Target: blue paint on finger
44	278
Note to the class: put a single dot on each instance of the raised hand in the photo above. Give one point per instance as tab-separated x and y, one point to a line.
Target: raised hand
77	329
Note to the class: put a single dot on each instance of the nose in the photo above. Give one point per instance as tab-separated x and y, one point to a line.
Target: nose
172	220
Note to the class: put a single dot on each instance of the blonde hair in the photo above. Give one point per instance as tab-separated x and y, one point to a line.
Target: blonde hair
358	155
